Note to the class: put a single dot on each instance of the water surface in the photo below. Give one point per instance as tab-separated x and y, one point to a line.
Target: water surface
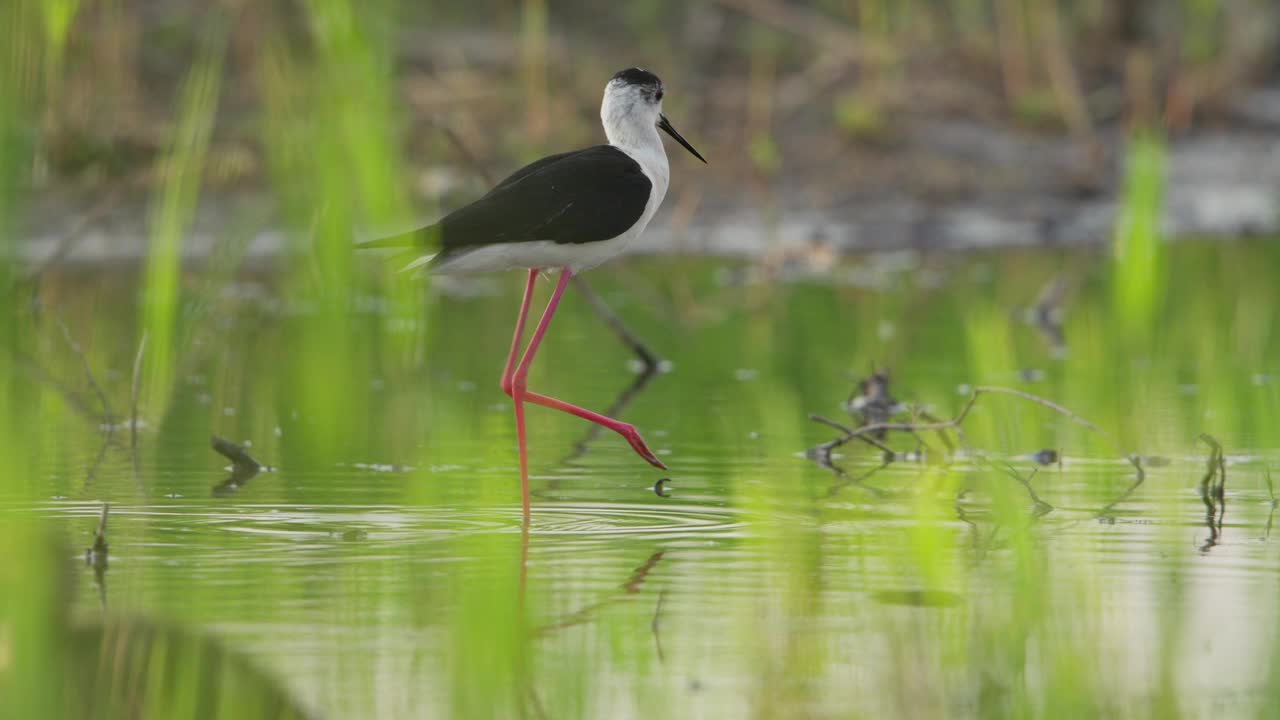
380	568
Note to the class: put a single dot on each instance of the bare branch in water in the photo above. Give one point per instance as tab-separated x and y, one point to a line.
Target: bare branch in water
610	318
847	431
955	423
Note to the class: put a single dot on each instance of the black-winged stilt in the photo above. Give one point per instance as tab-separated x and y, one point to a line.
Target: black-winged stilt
570	211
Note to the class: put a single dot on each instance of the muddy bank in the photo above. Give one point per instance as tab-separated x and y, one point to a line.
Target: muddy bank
948	185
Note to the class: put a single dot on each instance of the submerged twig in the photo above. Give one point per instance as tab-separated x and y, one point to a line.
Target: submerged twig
610	318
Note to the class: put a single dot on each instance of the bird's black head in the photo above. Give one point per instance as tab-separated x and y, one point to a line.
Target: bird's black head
643	80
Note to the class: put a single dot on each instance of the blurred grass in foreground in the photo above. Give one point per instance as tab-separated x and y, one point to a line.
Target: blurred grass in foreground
171	221
1137	242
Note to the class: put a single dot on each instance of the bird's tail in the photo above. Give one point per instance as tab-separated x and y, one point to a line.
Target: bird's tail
418	246
426	238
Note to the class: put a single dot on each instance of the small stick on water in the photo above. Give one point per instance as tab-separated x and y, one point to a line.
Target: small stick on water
134	387
239	457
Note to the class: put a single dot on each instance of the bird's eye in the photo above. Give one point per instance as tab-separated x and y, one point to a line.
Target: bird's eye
658	95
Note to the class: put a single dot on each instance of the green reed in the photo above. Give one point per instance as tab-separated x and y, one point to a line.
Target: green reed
171	218
332	139
1137	241
29	674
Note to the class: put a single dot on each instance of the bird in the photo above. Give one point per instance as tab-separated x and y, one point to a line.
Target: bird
569	211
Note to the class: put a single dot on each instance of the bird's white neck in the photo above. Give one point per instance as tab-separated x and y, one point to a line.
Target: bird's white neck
631	126
645	146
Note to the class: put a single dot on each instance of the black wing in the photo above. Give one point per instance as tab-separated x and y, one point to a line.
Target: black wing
580	197
531	167
575	197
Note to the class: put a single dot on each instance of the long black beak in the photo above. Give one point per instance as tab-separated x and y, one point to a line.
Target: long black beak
665	124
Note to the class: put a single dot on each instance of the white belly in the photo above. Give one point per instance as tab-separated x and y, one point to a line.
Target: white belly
537	254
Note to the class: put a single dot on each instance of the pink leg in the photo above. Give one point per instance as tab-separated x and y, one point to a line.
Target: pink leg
508	373
518	401
626	430
520	391
509	370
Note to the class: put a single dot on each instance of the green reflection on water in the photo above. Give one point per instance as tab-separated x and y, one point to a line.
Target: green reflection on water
379	569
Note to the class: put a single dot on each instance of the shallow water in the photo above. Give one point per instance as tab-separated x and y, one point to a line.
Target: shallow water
380	568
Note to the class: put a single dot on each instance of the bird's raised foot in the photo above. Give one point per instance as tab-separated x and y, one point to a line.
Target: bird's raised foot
637	443
520	395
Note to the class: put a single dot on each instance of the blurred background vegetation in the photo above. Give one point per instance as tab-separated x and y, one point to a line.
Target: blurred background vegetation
449	94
